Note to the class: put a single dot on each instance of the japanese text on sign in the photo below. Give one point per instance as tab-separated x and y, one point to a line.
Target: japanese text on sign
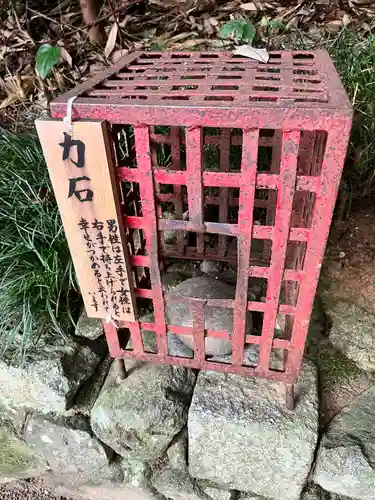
107	263
82	172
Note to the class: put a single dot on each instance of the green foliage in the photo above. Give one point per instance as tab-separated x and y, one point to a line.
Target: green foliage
37	282
275	26
240	29
355	61
46	58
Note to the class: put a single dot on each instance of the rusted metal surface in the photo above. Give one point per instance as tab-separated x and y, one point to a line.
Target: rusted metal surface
264	205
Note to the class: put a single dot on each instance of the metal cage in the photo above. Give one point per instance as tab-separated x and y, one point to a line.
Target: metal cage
239	162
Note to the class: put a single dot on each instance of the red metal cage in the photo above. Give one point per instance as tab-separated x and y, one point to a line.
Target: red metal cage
239	162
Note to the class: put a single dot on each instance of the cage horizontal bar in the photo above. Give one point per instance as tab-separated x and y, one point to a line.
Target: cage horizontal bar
206	365
259	232
219	179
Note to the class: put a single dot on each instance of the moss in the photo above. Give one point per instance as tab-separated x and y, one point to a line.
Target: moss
335	366
16	458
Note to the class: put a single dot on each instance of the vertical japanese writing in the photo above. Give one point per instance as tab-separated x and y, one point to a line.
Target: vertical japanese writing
84	226
84	194
118	264
104	248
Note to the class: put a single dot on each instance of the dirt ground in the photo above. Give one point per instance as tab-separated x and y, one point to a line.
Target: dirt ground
33	489
350	257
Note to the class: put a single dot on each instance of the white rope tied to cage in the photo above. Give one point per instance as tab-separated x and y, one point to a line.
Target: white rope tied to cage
68	117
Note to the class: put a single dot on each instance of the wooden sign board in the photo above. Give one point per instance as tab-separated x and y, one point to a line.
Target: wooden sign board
82	173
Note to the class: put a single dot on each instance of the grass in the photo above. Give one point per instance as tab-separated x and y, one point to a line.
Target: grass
37	281
354	58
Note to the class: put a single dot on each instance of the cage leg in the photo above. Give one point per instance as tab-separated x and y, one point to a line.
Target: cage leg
121	373
290	396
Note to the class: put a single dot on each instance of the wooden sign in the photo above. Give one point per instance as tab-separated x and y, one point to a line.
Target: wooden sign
82	173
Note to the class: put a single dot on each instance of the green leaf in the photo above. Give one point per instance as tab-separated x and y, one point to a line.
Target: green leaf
275	26
240	29
248	32
231	27
46	58
155	47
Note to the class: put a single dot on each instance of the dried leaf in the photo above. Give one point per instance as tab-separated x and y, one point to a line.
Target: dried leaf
66	56
188	44
208	27
345	20
16	88
250	6
213	21
111	42
116	56
334	26
11	99
260	55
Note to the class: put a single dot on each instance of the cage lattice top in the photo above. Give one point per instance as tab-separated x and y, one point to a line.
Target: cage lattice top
290	78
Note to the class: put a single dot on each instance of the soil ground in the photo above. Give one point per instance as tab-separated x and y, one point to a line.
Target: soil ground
33	489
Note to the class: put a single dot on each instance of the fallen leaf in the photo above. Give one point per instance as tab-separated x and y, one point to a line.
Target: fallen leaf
16	88
116	56
260	55
188	44
208	27
111	42
249	7
149	34
345	20
66	56
334	26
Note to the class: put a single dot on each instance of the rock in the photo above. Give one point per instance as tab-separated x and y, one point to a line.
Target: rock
216	318
139	416
211	268
50	377
17	458
89	392
133	482
218	493
115	491
241	436
355	425
315	492
249	496
177	484
344	470
175	346
170	236
74	456
13	418
341	381
177	452
352	332
250	356
183	268
90	328
346	460
136	473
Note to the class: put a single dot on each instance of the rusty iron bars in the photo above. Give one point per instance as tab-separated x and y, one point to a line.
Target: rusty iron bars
280	131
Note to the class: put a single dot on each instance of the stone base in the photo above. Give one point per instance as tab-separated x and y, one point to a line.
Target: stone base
241	435
139	416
